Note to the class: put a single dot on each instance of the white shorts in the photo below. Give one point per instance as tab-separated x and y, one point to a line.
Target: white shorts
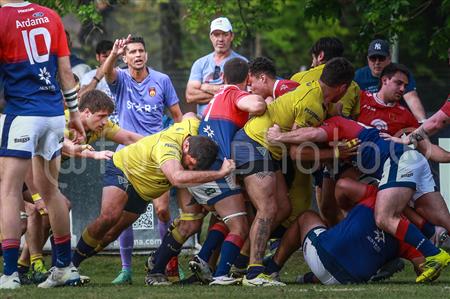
212	192
313	259
411	170
29	136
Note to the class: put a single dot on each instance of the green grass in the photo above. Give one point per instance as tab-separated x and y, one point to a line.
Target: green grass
103	269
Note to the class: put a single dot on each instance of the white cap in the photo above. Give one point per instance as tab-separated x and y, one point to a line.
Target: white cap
222	24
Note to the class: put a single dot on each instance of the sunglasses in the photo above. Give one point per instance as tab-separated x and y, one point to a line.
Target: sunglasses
216	74
380	58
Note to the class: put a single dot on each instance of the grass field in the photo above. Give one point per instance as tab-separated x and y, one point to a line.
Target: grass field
103	269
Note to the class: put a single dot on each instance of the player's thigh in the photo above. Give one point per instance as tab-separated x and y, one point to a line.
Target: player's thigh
45	174
114	200
12	175
186	202
432	206
307	221
260	188
126	220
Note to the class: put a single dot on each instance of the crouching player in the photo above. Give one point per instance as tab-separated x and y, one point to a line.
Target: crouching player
353	250
144	171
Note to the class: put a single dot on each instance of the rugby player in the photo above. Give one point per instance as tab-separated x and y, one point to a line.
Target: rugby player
145	170
33	51
258	162
404	175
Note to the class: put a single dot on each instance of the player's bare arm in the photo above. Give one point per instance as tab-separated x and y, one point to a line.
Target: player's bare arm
253	104
175	112
178	176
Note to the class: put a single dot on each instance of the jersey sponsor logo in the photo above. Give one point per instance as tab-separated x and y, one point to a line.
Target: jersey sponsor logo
313	114
208	131
25	10
22	139
379	124
379	236
38	14
171	145
209	191
44	75
141	108
407	175
31	22
152	91
368	107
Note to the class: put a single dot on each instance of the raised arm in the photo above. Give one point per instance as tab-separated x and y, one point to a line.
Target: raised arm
108	67
414	103
126	137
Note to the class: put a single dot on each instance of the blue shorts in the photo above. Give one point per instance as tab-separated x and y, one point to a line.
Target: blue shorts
212	192
250	156
115	177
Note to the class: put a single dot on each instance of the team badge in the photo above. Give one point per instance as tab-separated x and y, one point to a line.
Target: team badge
152	91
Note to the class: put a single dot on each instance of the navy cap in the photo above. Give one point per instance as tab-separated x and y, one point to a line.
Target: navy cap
378	47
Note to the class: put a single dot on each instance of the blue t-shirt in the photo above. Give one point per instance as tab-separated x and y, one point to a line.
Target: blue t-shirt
203	70
368	82
141	105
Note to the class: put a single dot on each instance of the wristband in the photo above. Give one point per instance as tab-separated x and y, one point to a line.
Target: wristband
71	98
96	79
36	197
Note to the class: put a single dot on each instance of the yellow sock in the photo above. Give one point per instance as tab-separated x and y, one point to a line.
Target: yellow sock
35	257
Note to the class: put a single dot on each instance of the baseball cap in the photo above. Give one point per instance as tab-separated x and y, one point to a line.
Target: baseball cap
378	47
222	24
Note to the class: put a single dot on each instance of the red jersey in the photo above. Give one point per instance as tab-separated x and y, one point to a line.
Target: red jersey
389	118
32	38
446	107
283	86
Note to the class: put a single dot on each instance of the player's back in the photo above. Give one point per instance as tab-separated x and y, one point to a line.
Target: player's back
223	118
357	245
32	38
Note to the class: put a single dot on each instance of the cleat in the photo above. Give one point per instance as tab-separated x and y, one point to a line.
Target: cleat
388	270
262	280
275	276
201	269
67	276
84	279
440	236
38	273
225	281
238	272
10	281
124	277
150	262
156	279
433	266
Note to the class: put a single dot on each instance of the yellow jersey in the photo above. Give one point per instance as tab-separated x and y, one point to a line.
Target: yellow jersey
141	161
108	131
303	106
350	100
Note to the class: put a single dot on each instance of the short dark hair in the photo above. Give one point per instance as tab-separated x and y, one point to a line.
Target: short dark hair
204	150
104	46
331	47
262	65
96	100
235	71
137	39
391	69
337	71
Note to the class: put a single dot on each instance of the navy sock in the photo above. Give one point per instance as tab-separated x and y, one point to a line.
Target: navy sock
230	250
214	240
409	233
82	251
54	254
10	249
278	232
272	267
254	270
63	253
428	229
241	261
168	249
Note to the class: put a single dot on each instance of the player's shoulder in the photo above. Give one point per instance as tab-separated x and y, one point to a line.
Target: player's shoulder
204	59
